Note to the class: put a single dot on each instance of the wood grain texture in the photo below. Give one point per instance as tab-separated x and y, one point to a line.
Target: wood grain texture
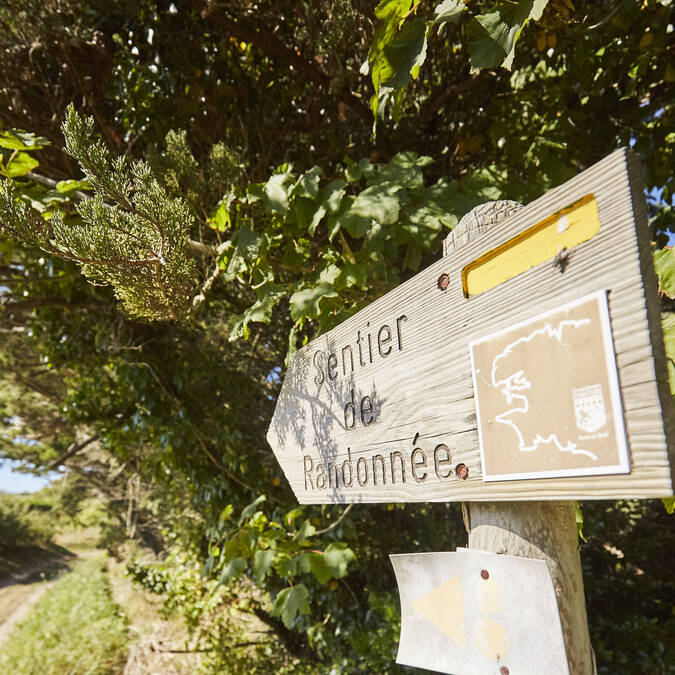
421	393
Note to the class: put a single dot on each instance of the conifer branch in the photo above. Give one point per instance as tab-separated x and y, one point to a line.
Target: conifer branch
133	235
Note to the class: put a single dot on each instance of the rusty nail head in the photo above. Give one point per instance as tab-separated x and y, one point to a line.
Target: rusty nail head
443	281
503	671
462	471
484	574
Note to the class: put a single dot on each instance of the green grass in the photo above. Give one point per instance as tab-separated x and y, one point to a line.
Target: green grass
74	629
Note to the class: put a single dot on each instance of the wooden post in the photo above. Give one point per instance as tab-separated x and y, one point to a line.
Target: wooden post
532	529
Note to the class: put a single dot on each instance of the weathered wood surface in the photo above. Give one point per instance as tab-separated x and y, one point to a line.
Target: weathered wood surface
420	392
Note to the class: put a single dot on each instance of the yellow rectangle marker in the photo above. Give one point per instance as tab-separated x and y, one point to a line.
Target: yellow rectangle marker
564	229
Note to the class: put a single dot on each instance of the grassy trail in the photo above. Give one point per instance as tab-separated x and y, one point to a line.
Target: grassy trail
92	619
15	603
75	627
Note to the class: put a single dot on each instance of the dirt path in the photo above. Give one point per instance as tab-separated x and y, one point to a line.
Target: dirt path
24	577
15	603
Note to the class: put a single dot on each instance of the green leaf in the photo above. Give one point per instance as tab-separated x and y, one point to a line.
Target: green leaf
307	185
449	11
64	186
404	55
305	531
232	569
268	296
251	509
669	503
305	303
352	276
404	170
263	562
225	514
494	34
40	198
293	515
20	165
287	566
664	263
276	192
332	563
490	37
238	546
391	15
291	602
356	170
378	203
246	251
331	195
308	214
22	140
296	253
222	219
329	274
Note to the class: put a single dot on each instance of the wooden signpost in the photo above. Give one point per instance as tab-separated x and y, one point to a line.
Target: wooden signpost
387	406
527	365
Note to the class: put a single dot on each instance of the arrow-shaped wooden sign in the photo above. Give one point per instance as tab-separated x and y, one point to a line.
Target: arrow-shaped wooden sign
528	364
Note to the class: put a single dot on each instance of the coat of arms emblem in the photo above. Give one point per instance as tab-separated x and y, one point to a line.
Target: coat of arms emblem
589	408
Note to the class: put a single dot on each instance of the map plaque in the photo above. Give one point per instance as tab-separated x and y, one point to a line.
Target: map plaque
547	396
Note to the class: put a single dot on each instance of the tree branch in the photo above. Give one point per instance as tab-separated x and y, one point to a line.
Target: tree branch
35	280
336	523
73	450
34	386
609	17
36	303
50	183
269	44
200	651
200	247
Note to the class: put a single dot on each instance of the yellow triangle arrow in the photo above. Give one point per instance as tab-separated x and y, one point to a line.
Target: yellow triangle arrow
444	608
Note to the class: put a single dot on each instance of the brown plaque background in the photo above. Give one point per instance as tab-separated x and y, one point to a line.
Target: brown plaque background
548	396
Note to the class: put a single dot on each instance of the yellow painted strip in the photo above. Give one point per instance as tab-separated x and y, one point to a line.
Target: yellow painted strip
569	227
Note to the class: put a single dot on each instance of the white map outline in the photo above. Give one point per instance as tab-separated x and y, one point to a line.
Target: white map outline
517	382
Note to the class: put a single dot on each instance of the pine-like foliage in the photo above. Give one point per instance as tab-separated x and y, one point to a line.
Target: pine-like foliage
132	235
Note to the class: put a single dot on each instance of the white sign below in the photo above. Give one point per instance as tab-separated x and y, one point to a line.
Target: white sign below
476	613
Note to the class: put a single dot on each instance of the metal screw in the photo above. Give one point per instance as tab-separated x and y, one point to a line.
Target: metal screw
503	671
484	574
444	281
462	471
